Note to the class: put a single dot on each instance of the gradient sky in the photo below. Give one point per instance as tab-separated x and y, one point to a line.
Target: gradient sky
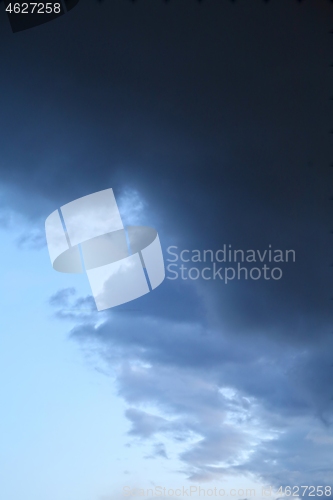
211	122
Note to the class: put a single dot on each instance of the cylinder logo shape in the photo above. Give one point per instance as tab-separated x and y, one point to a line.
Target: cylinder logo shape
122	263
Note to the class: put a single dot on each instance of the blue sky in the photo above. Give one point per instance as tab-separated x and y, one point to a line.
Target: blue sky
63	428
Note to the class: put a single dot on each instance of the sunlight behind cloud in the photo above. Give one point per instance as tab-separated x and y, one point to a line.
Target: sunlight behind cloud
131	207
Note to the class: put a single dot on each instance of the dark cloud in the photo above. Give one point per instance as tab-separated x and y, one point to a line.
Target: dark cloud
224	134
144	424
235	406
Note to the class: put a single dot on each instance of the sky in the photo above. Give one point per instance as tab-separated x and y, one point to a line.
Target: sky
211	121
